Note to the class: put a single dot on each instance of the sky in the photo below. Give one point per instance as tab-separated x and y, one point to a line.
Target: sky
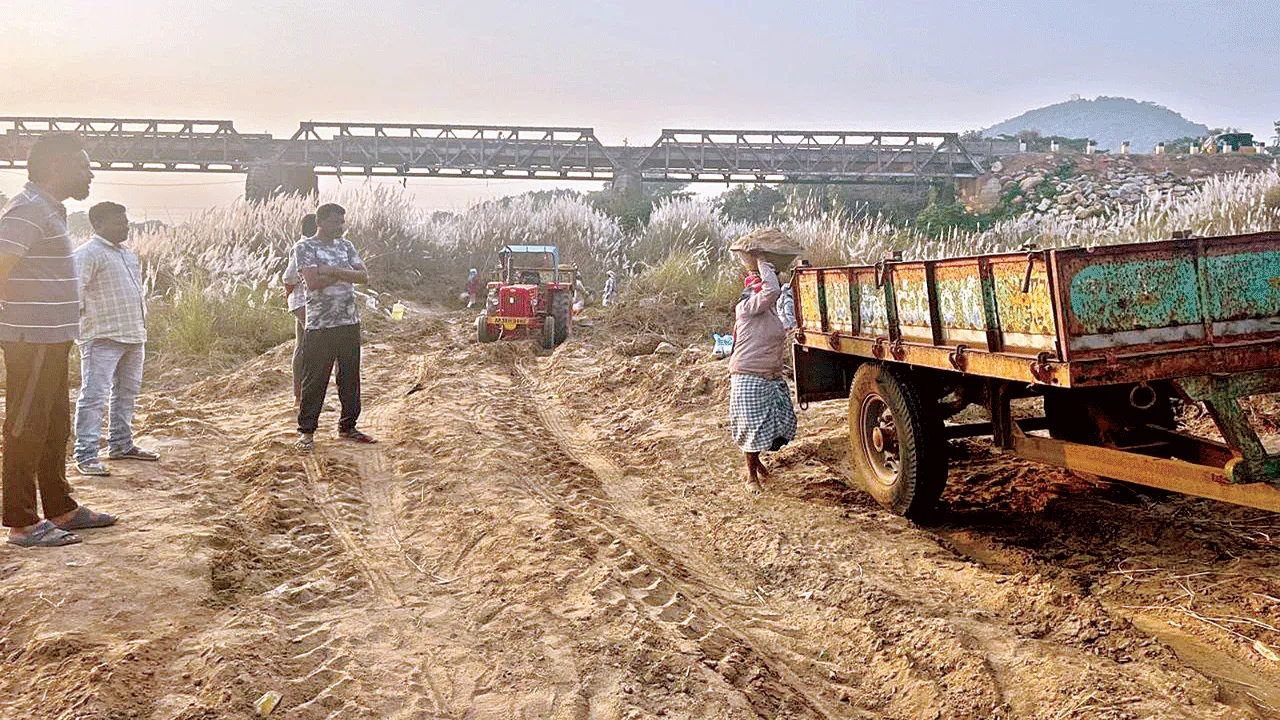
626	69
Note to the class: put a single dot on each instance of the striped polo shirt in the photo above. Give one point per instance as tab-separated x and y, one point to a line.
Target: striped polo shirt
40	300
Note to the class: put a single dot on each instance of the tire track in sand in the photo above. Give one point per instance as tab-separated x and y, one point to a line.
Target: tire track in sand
647	575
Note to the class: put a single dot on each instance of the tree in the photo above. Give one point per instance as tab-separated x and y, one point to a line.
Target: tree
945	212
755	204
632	209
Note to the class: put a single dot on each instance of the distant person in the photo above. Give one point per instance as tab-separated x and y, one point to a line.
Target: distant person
760	413
113	338
580	294
473	287
296	297
330	267
610	294
39	319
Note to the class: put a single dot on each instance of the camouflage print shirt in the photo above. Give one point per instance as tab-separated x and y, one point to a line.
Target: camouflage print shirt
334	305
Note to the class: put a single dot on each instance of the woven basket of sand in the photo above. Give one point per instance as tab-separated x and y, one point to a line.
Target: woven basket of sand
772	243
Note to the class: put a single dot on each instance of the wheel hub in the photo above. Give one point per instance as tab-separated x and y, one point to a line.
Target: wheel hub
880	439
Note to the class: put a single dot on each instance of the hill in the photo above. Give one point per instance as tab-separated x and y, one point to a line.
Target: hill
1107	120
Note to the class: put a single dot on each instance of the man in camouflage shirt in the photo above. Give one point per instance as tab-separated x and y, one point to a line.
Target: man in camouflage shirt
330	266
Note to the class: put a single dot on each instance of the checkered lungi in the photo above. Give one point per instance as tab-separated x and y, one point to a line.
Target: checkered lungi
760	413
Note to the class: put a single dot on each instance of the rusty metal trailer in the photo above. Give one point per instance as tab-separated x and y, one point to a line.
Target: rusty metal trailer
1110	337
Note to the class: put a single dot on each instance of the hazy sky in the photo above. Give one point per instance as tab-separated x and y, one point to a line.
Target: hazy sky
627	69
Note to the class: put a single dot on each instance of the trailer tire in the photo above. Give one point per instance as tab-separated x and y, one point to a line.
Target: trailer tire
896	442
483	334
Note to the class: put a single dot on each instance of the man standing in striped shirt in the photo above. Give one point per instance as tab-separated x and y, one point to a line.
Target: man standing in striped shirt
39	319
113	337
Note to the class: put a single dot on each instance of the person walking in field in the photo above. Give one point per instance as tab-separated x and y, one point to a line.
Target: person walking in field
760	413
610	294
330	267
113	338
473	287
296	297
39	319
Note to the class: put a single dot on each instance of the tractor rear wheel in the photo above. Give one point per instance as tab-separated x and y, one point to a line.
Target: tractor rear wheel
896	442
483	333
549	333
562	311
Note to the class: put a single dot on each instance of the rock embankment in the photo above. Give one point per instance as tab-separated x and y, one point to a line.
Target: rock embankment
1082	186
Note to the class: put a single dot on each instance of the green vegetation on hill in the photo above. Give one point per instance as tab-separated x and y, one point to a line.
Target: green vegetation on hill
1107	120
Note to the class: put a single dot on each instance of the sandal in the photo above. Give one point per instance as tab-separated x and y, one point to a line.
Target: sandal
85	519
356	436
46	534
305	444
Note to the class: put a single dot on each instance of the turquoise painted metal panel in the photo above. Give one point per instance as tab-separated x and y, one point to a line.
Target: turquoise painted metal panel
1113	296
1243	285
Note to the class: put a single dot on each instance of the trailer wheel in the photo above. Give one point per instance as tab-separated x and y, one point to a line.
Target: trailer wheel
483	334
896	442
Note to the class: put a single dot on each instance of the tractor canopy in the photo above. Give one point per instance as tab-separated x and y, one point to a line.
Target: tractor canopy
530	264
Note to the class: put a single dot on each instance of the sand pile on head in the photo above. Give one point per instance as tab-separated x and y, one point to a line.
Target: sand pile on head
772	243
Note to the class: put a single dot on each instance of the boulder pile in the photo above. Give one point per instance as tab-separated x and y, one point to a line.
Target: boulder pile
1052	189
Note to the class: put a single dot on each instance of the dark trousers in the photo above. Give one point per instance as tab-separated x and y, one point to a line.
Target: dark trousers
37	425
321	350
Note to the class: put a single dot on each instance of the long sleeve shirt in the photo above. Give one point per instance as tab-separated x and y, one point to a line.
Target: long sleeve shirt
112	306
760	342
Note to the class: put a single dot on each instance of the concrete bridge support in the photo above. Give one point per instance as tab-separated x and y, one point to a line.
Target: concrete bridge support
268	179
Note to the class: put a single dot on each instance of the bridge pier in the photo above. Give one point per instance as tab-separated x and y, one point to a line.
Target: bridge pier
268	179
628	179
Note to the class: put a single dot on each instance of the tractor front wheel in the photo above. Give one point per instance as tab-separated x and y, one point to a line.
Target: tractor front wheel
483	333
896	442
562	311
549	333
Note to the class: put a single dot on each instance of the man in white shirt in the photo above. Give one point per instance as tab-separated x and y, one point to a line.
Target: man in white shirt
113	338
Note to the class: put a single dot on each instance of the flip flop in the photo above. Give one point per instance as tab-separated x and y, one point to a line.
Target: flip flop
46	534
85	519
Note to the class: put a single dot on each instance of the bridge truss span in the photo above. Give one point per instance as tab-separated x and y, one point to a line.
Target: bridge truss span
141	144
801	156
437	150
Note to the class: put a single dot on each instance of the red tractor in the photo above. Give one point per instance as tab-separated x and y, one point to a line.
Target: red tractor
533	296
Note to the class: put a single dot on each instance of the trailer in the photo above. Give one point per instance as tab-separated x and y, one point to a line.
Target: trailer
1111	338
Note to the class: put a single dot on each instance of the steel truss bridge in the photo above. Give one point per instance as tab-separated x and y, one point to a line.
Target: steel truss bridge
276	165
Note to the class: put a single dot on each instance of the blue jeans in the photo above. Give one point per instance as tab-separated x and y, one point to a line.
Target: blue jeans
107	369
